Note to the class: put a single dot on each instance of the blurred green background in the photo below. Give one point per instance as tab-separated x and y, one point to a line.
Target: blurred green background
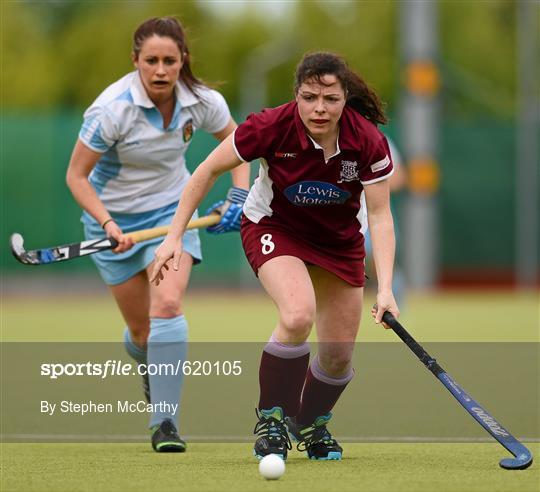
58	56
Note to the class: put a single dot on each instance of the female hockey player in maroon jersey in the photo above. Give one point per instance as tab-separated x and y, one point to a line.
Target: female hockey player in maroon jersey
302	238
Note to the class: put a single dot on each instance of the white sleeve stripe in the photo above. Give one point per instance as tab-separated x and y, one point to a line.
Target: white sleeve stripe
371	181
380	165
236	150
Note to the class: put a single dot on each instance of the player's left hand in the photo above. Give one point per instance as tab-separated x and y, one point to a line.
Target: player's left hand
230	210
385	302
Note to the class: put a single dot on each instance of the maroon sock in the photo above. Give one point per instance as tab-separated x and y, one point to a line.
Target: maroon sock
321	392
281	376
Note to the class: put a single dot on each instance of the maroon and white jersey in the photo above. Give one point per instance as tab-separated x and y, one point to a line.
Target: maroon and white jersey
315	198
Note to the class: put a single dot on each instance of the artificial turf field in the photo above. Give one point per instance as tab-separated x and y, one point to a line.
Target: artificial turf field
461	316
230	467
466	316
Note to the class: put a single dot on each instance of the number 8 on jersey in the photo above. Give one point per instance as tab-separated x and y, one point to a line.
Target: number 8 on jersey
267	245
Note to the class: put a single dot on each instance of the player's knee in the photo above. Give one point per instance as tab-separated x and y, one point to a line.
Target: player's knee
298	322
166	307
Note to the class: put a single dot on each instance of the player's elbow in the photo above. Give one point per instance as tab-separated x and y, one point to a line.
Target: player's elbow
380	218
75	180
71	179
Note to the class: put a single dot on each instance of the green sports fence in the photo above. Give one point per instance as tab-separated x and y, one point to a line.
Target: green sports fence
476	198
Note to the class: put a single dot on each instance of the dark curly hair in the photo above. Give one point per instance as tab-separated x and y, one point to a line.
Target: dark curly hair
359	96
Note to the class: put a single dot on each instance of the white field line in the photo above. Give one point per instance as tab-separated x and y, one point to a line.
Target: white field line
240	438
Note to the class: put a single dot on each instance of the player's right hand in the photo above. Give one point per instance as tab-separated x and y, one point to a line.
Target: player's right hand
385	302
124	242
169	248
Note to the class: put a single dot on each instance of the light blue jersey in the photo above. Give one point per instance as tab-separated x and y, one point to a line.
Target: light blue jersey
143	166
142	172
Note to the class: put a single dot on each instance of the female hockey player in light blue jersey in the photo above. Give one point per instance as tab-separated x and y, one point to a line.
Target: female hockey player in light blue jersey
127	170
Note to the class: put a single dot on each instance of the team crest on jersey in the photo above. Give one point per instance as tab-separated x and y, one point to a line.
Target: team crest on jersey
187	131
348	172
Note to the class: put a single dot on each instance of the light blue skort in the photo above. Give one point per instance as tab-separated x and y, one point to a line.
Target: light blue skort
117	268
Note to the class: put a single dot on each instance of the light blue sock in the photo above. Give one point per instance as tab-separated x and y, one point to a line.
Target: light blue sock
167	344
135	352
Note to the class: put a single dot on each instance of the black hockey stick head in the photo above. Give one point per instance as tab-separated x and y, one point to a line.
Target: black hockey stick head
55	254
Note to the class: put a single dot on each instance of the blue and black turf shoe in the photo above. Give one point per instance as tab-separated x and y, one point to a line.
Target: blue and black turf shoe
315	439
272	434
165	438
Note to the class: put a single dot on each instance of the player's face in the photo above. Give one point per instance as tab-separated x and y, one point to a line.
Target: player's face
320	105
159	63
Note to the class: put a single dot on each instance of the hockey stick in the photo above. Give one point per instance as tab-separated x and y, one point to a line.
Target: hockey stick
69	251
523	457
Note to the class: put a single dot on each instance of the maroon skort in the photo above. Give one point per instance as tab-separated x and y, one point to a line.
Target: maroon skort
269	238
